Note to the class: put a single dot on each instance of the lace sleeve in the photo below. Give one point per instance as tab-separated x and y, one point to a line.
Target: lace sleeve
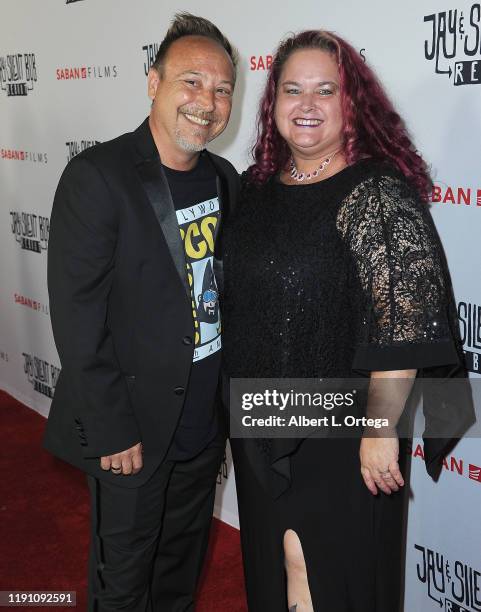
398	260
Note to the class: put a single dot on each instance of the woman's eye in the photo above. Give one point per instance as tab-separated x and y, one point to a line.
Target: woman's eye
325	92
292	90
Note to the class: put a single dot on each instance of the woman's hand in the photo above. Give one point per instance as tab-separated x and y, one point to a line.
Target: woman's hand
379	464
388	392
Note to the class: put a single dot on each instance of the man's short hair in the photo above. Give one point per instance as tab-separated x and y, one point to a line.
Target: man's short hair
185	24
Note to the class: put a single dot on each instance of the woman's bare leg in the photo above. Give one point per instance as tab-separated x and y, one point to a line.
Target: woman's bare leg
298	593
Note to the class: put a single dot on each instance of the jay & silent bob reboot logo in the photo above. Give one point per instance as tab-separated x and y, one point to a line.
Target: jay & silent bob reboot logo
453	44
74	147
41	374
469	315
18	73
451	584
150	53
31	231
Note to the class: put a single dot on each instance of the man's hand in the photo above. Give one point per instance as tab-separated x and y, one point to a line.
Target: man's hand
127	462
379	464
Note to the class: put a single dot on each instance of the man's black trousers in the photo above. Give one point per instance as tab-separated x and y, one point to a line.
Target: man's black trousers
148	543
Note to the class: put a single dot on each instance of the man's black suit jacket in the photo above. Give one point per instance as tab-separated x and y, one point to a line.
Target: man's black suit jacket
120	304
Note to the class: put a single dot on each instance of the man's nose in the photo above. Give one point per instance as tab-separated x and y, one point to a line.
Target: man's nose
206	99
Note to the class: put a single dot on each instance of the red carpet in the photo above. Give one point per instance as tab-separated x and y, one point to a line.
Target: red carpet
44	522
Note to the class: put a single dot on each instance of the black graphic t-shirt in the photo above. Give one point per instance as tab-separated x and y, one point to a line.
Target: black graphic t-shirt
194	193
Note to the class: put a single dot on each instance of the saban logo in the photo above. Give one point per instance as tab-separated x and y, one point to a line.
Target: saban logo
264	62
42	375
452	464
453	44
260	62
469	315
454	585
18	73
445	194
72	1
74	147
31	231
475	472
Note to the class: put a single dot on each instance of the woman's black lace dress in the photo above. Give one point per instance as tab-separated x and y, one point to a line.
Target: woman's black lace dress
332	279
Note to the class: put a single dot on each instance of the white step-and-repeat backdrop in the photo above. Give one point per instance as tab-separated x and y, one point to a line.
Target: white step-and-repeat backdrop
73	73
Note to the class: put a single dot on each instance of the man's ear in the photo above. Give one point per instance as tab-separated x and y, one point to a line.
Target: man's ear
153	79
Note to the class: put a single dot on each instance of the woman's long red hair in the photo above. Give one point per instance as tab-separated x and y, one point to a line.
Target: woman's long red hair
371	126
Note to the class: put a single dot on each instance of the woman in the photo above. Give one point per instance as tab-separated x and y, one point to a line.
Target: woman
332	269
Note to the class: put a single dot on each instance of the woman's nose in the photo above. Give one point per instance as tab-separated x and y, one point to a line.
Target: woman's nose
307	102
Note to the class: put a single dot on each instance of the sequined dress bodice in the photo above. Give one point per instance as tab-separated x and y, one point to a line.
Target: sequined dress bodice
321	276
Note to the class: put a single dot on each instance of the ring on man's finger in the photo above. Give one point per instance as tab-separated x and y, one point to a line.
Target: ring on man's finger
115	470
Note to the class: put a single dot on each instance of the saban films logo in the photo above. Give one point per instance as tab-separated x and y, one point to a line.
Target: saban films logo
453	44
79	73
18	73
454	586
21	155
42	375
72	1
31	231
74	147
30	303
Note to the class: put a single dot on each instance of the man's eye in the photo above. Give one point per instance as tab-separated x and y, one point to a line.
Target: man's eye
224	92
191	82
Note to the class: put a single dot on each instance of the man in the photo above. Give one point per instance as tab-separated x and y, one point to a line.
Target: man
132	275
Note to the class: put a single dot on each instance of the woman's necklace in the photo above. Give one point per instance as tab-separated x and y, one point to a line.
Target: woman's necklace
305	176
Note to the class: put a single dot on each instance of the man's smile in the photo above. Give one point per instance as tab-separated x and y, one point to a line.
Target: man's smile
197	120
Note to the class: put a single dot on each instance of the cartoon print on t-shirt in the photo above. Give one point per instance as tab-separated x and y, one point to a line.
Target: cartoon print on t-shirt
198	224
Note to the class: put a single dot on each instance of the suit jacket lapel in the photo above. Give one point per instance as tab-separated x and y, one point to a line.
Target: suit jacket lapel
227	194
157	189
225	198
